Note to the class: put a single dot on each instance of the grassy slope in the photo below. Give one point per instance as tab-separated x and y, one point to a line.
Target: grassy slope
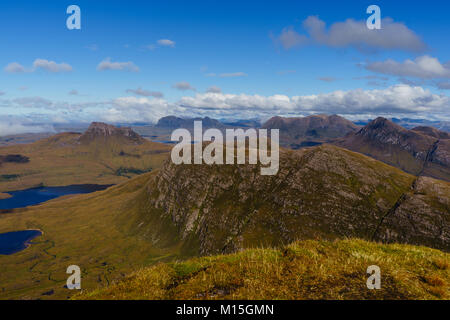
61	160
79	230
302	270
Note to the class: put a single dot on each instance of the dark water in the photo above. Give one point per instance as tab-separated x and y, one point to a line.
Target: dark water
12	242
29	197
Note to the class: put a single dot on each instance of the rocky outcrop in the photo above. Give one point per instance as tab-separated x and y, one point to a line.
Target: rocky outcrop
99	130
422	217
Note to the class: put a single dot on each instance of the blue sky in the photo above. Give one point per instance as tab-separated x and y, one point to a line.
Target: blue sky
260	55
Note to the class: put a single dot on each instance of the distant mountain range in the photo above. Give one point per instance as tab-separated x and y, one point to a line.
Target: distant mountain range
409	123
172	122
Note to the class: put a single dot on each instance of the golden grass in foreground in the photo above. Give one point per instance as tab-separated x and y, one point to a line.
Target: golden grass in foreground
303	270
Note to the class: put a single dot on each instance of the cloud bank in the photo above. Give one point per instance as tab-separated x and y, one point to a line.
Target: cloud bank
424	67
396	101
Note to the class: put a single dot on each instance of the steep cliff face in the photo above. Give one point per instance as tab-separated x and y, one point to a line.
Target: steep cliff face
422	216
323	192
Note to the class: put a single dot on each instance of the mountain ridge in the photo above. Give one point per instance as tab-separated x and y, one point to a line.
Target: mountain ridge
413	151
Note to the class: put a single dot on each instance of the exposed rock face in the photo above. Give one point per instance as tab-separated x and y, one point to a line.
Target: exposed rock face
105	131
422	151
322	192
422	216
294	132
172	122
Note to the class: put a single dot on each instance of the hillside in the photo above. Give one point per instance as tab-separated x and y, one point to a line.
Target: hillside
322	192
302	270
421	151
308	131
104	154
178	212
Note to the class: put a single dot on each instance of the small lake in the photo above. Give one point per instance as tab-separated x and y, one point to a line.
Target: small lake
12	242
34	196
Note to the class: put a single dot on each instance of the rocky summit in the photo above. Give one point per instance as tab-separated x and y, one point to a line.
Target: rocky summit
421	151
105	131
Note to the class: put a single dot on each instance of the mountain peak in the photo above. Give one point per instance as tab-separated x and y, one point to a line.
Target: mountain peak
103	130
382	126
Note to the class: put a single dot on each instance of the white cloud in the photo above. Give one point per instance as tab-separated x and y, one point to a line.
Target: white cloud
289	38
107	64
445	85
43	64
160	43
394	100
183	86
424	67
214	89
73	92
15	67
166	43
14	127
233	75
327	79
145	93
51	66
227	75
33	102
352	33
129	109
